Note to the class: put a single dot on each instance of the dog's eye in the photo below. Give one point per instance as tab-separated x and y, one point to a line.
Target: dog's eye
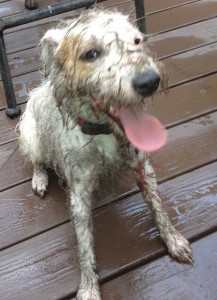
91	55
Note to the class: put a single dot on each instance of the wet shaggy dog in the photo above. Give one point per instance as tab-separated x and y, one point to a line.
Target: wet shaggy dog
87	121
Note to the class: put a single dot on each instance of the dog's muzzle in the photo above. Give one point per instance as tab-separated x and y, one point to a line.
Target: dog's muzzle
147	83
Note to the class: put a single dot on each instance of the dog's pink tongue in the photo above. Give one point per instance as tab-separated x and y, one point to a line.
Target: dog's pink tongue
144	131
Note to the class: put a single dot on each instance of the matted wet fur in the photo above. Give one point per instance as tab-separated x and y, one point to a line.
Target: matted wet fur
94	67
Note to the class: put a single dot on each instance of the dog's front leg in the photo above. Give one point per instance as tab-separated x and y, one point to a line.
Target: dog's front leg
177	245
81	208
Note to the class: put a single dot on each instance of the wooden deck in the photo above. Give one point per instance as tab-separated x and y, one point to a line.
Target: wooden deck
38	246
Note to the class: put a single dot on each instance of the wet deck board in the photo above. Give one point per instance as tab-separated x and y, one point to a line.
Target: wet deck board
181	16
183	38
187	101
169	164
136	232
182	68
38	246
164	44
16	6
175	158
162	279
28	35
180	40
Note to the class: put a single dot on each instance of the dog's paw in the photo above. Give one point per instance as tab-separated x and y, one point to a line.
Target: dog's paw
39	183
92	293
180	249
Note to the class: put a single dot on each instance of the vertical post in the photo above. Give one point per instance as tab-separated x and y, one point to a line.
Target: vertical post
140	15
12	110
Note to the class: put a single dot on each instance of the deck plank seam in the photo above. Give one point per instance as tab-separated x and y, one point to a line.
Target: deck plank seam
160	58
15	184
130	266
135	191
193	78
196	116
134	19
11	30
159	181
171	55
131	192
142	261
35	235
210	17
8	142
168	126
174	85
116	199
121	3
148	36
172	7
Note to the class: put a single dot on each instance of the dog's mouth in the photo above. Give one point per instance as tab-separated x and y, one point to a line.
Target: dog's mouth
144	131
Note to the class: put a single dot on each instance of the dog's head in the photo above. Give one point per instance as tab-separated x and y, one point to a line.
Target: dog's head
103	56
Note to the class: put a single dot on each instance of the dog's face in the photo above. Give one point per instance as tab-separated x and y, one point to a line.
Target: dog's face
101	54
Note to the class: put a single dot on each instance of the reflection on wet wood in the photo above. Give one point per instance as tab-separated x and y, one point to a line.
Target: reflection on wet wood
181	16
162	279
183	38
188	203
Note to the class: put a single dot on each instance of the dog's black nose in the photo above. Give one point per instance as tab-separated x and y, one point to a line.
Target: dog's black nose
146	83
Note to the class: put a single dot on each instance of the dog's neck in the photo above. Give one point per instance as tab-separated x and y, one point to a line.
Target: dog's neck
81	111
93	128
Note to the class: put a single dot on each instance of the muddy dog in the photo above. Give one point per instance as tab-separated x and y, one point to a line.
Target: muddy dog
87	121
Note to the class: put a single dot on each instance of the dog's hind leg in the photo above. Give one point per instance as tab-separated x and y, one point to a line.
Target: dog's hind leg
30	146
177	245
81	208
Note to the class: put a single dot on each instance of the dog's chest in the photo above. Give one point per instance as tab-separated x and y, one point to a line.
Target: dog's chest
103	149
108	147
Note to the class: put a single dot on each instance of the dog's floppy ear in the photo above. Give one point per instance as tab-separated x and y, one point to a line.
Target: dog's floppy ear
49	45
